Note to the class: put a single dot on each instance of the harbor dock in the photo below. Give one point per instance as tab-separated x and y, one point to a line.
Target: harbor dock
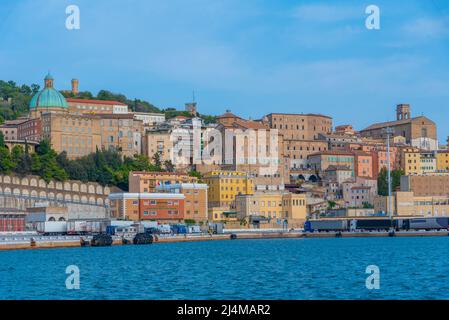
42	242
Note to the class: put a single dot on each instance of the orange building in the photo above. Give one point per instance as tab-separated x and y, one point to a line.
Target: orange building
363	164
164	207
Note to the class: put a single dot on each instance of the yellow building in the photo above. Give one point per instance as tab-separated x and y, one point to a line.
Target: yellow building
272	205
443	160
415	161
224	186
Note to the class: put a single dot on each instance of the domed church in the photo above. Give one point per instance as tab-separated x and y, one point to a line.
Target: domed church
48	99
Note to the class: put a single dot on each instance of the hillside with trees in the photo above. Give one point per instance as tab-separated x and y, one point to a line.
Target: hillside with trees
15	100
106	167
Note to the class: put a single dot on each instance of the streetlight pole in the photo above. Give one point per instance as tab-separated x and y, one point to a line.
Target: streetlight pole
389	131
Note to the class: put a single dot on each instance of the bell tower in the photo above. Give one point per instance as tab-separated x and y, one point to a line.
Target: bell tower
403	111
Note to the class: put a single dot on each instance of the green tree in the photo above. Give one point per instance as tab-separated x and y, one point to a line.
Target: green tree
382	181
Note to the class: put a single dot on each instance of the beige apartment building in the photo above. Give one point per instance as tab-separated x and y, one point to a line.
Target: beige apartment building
158	141
77	135
254	150
407	204
81	134
301	135
272	205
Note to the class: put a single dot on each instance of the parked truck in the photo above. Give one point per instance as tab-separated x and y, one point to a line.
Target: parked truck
83	227
52	227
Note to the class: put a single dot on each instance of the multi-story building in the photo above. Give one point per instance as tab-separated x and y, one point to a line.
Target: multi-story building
322	160
121	132
359	192
224	186
149	119
363	164
442	160
430	184
419	132
91	106
272	205
141	182
158	141
416	161
301	134
252	147
195	205
77	135
22	129
405	203
163	207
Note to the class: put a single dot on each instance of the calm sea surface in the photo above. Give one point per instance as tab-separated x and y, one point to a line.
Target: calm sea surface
410	268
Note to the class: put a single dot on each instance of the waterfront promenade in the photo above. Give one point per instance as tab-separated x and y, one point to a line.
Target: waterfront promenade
16	242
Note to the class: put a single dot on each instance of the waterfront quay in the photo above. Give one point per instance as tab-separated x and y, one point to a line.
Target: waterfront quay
17	242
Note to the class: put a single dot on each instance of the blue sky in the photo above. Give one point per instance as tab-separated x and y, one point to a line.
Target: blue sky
253	57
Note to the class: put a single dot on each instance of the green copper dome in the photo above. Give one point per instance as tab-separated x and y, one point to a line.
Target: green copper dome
48	97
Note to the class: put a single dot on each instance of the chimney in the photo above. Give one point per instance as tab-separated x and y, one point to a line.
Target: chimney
75	86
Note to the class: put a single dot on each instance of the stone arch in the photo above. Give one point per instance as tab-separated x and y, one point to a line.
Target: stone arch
106	190
16	192
75	187
83	188
59	196
7	179
84	199
301	177
59	185
51	219
51	195
25	181
51	184
7	190
15	180
91	189
68	197
33	182
34	193
92	200
61	219
67	186
313	178
99	201
99	190
25	193
76	198
106	201
42	194
42	183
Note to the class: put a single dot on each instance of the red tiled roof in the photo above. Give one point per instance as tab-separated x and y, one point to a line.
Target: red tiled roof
91	101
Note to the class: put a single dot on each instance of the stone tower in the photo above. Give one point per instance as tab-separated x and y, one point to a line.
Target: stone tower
403	111
75	86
